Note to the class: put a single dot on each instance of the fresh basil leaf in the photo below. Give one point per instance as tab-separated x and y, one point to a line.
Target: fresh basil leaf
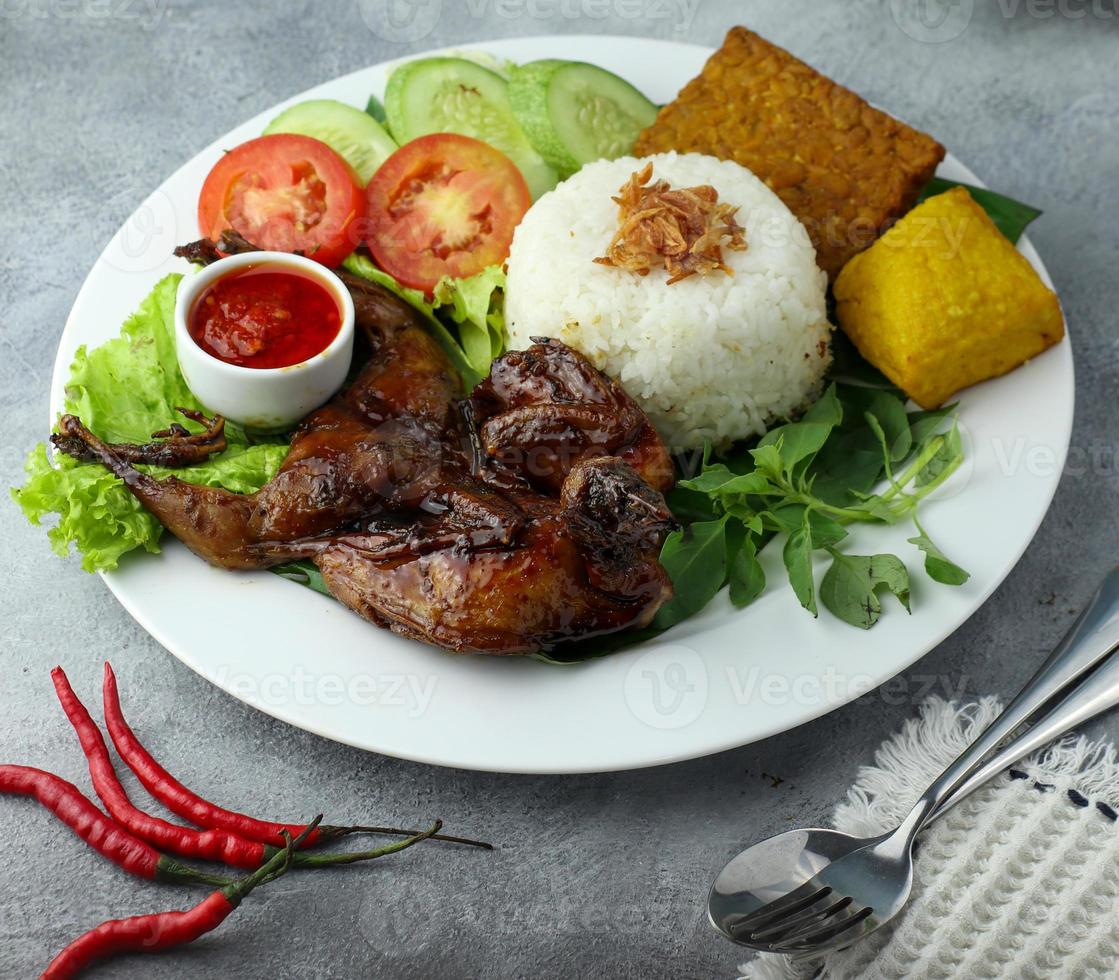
688	506
827	409
696	561
951	450
849	366
925	425
874	508
796	441
937	565
747	577
850	586
889	411
749	519
798	479
304	572
767	459
825	531
736	535
787	517
798	562
1010	216
719	481
849	464
856	402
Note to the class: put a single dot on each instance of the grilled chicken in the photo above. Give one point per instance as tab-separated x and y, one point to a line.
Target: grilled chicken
525	516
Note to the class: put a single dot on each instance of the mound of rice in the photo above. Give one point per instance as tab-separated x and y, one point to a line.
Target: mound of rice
712	358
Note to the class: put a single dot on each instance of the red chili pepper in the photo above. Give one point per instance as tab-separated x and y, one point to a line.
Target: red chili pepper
142	934
163	930
190	806
105	836
176	797
206	845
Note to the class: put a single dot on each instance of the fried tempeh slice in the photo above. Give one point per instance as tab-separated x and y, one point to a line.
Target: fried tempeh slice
845	169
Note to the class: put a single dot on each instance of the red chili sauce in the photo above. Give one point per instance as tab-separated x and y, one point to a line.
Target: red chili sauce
265	317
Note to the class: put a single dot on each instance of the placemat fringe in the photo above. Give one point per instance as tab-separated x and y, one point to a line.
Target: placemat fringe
1030	836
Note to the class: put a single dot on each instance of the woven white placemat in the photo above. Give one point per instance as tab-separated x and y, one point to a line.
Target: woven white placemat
1020	881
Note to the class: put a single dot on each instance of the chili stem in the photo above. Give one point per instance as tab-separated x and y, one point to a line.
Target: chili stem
187	804
305	860
165	930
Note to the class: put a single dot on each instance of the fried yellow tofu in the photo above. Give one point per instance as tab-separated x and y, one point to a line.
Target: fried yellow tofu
846	170
943	301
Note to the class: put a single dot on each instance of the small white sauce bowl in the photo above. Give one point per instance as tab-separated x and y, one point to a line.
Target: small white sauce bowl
263	399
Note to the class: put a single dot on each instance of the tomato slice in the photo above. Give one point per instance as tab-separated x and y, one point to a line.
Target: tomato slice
443	205
285	193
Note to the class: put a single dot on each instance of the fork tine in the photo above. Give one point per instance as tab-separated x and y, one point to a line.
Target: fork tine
785	930
831	936
795	901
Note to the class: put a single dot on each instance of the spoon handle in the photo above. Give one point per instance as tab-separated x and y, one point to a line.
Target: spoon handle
1084	699
1091	639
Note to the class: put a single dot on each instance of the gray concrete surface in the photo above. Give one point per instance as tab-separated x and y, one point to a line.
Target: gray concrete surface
595	875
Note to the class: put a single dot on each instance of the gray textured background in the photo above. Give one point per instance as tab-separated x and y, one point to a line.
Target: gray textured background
595	874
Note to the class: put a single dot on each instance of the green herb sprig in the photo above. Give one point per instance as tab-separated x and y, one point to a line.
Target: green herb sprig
810	480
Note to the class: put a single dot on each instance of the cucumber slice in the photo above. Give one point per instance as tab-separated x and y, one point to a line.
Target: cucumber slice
574	113
454	95
354	135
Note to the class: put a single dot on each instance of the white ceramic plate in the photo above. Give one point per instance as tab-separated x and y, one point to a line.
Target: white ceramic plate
720	680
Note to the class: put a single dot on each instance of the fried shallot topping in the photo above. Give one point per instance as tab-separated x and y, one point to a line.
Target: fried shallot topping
682	229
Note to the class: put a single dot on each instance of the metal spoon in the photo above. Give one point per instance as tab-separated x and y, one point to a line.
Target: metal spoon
808	892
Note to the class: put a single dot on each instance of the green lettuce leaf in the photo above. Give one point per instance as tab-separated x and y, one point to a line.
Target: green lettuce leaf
464	315
124	390
360	265
475	305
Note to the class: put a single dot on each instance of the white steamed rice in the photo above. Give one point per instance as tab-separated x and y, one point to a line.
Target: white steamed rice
711	358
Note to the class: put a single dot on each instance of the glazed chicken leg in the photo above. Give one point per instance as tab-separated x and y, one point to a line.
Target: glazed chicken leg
377	446
527	515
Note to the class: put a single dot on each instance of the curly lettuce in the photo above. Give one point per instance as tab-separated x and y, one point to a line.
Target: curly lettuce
129	387
470	326
475	306
124	390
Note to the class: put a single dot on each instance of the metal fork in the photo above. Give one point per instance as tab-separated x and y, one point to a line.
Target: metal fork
809	892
